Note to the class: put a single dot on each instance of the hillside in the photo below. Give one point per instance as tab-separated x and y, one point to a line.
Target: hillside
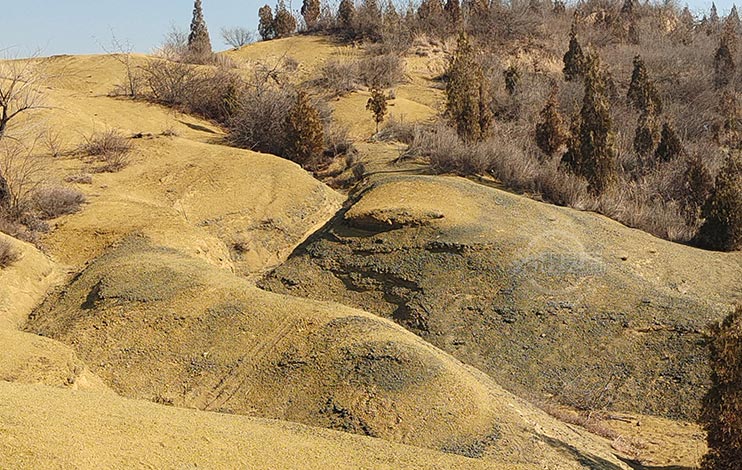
220	307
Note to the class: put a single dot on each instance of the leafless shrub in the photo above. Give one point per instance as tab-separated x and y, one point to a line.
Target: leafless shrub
340	77
397	131
108	147
8	254
54	201
51	138
21	82
121	51
24	173
237	37
175	45
80	178
259	122
381	71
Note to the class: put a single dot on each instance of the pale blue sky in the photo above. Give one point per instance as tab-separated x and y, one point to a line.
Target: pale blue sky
78	26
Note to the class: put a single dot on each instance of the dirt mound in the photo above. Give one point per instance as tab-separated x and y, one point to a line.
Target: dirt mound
547	300
159	325
51	428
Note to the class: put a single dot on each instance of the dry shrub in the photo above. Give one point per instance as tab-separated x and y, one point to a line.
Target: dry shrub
108	147
397	131
211	92
381	71
339	77
259	121
80	178
54	201
8	254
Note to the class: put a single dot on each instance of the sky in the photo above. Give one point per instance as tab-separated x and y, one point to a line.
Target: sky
87	26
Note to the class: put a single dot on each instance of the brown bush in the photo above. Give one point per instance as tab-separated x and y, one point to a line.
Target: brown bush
54	201
8	254
108	147
722	406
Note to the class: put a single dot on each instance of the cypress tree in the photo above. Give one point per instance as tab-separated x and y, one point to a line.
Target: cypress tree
453	10
722	405
724	66
4	192
732	22
346	16
722	228
305	134
284	22
645	137
310	10
550	128
512	77
559	7
642	94
713	15
266	27
199	43
670	147
574	58
467	100
695	189
377	104
590	153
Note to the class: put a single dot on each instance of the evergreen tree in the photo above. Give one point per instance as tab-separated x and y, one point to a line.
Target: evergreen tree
266	27
695	189
550	134
310	11
467	100
591	153
559	7
722	228
722	405
724	66
512	77
368	20
642	94
574	58
628	8
199	43
4	193
713	15
347	16
732	22
453	10
645	137
377	104
284	22
305	134
670	147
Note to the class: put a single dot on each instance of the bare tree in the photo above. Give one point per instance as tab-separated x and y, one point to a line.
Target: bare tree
22	172
237	37
20	83
121	51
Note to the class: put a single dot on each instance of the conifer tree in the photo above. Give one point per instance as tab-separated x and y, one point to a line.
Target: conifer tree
645	137
713	15
199	43
266	27
347	16
592	154
559	7
467	100
368	20
572	158
377	104
724	66
550	134
310	11
305	134
696	187
642	93
512	78
722	227
453	10
574	58
732	22
4	193
670	147
722	405
284	22
628	8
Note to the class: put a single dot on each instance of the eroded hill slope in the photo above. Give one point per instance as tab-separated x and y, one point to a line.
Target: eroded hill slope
545	299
